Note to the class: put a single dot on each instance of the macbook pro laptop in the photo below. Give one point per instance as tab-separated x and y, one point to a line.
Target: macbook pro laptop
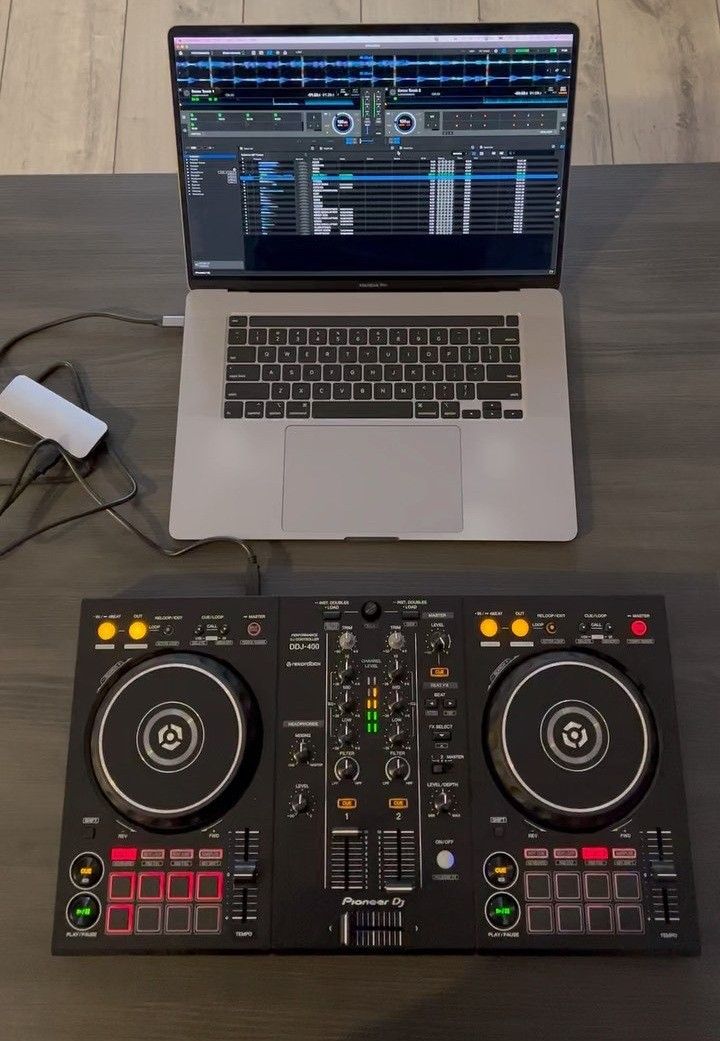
374	341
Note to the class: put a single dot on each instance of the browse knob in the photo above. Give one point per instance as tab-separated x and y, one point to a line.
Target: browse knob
396	641
347	641
347	769
397	769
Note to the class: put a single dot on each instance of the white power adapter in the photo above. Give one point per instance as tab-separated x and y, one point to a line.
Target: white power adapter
50	416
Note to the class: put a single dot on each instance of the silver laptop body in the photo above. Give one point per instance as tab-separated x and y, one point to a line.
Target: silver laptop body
374	340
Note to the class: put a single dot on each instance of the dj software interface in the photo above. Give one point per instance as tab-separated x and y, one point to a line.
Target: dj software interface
323	155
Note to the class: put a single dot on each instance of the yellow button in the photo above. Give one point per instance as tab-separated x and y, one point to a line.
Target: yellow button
489	628
137	630
106	631
520	627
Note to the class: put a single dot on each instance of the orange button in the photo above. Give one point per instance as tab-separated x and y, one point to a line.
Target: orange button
398	804
439	672
488	628
347	804
138	630
520	627
106	631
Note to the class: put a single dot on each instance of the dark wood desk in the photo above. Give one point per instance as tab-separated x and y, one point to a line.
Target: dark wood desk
642	289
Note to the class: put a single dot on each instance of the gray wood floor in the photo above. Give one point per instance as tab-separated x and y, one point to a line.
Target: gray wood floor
84	83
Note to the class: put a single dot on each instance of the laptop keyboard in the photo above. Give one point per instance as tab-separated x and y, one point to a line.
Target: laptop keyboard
373	368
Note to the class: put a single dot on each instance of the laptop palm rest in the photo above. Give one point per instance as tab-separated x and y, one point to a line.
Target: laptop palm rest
372	480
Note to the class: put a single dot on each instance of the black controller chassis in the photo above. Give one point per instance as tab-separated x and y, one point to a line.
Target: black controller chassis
407	774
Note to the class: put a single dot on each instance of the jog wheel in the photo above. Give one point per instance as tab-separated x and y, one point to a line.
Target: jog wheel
571	740
175	741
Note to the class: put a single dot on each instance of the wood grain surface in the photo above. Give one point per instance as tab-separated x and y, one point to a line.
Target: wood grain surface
643	312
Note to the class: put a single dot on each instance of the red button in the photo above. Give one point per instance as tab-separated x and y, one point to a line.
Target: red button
210	854
123	853
179	885
594	853
624	853
119	919
565	853
638	627
121	885
151	885
208	885
536	853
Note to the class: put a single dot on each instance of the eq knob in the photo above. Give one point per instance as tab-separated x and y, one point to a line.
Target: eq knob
397	740
303	753
397	674
346	738
347	674
396	641
347	769
398	706
347	704
300	803
439	643
397	769
346	641
443	802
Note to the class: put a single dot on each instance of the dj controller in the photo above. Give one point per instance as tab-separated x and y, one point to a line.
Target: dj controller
402	774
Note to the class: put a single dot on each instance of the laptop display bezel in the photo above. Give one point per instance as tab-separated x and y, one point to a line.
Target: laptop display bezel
395	282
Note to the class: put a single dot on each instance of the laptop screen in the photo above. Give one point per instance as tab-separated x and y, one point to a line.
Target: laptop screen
323	153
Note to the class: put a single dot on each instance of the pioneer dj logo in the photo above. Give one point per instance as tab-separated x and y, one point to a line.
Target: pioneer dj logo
169	737
574	735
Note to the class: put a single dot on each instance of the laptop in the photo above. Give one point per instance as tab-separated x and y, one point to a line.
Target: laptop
374	340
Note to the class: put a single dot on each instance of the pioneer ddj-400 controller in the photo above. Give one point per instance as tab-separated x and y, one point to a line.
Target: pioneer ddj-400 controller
420	774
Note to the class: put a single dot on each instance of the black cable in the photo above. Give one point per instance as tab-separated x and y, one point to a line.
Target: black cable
7	346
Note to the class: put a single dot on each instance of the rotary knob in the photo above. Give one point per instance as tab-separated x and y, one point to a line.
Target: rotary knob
397	707
347	640
303	753
397	740
347	705
300	803
347	674
440	643
443	802
396	641
346	737
397	769
397	674
347	769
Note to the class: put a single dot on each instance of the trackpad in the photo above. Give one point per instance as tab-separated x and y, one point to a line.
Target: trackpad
372	480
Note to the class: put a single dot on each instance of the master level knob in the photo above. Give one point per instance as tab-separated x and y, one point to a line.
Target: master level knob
443	802
300	803
397	769
346	641
440	643
347	769
396	641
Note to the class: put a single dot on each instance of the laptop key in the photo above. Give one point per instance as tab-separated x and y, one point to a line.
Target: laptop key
258	336
327	354
300	392
367	354
403	391
342	391
471	413
393	373
247	391
287	354
352	373
318	336
278	336
450	410
475	372
438	336
490	355
465	391
418	336
449	354
337	337
458	336
362	391
322	391
271	372
237	319
233	410
469	354
280	391
362	409
358	336
424	391
428	355
291	372
307	354
332	373
374	373
503	373
434	373
498	391
454	373
297	336
492	410
409	355
378	336
427	410
479	336
312	372
444	391
240	354
414	373
237	337
512	319
513	413
388	355
510	355
504	336
247	373
382	391
297	410
274	409
254	410
398	336
348	355
266	354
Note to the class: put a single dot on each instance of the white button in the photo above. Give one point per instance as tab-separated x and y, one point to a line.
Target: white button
445	859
